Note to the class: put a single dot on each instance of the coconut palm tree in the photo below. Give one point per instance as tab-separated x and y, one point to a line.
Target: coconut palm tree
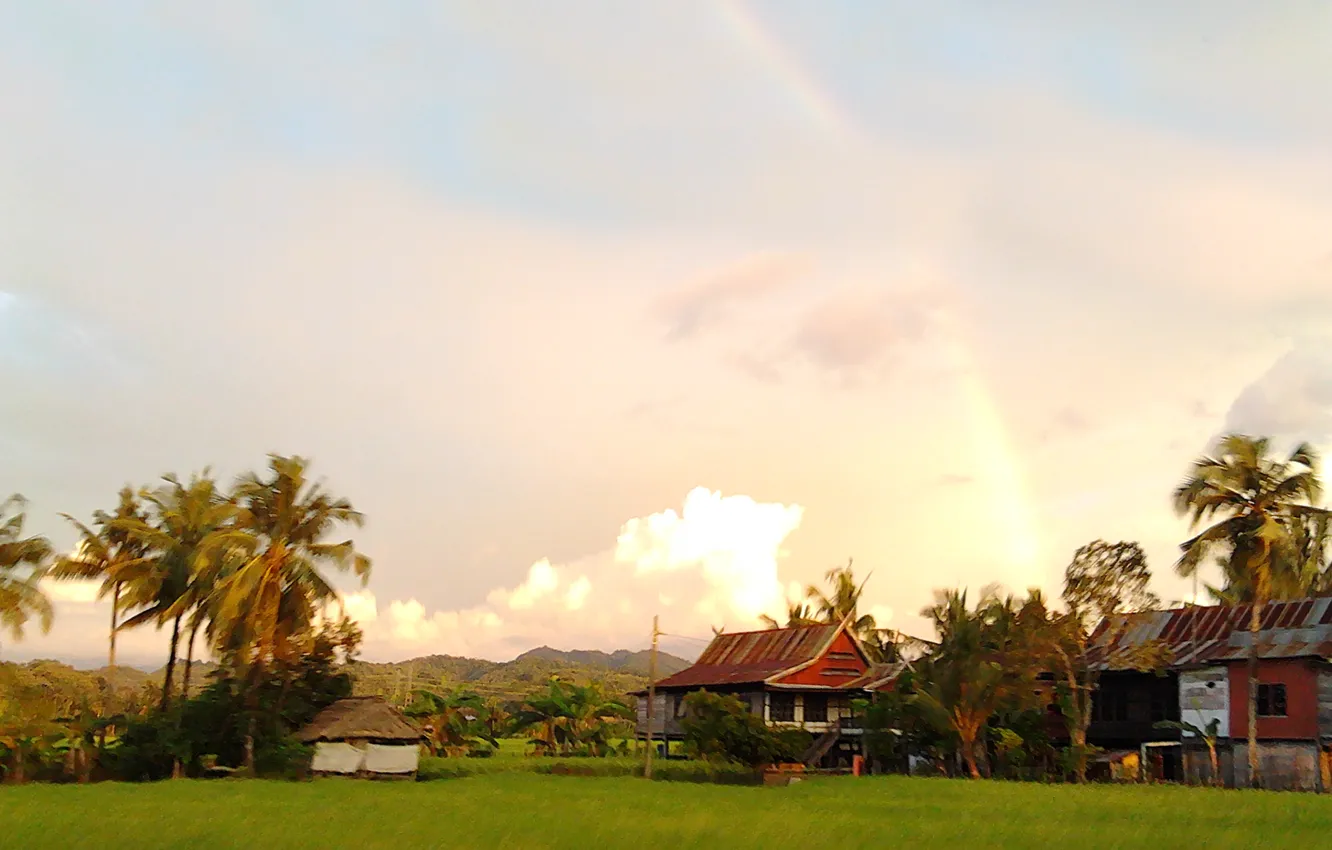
1259	506
277	591
106	554
22	560
841	601
797	614
189	531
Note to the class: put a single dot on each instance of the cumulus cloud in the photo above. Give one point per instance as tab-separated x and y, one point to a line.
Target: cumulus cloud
1292	400
714	563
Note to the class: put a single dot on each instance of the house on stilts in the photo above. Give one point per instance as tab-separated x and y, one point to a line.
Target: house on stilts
801	677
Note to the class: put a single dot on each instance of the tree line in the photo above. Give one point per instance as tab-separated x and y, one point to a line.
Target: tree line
980	690
240	569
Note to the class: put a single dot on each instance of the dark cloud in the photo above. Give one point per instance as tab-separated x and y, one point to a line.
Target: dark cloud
690	309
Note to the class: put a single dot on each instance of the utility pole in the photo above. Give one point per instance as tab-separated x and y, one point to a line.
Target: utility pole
652	696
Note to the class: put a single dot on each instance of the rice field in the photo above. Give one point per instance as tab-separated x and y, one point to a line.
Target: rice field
527	810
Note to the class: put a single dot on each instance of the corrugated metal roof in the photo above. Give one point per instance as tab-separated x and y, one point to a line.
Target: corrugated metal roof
1299	628
741	658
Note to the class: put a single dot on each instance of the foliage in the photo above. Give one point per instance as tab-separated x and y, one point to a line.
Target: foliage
840	602
455	723
286	697
1102	581
986	659
21	563
1268	509
720	728
111	553
571	717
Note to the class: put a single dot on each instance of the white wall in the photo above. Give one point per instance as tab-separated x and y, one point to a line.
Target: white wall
1204	695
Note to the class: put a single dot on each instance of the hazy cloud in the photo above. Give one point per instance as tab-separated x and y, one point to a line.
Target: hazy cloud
691	308
859	333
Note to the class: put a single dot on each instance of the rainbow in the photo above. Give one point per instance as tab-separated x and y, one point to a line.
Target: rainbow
997	466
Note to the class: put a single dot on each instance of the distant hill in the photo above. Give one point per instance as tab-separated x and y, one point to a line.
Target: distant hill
621	659
619	673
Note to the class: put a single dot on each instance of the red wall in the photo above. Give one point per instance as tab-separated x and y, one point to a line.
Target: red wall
813	674
1301	681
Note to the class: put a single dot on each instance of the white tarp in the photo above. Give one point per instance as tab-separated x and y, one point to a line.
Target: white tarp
392	759
337	758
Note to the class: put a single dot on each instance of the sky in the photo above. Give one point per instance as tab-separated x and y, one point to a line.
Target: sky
600	311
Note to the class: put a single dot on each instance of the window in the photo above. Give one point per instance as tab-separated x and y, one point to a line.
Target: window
1271	700
1158	707
1110	706
781	707
680	707
816	708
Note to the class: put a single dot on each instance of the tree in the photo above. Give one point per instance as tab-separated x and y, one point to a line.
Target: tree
22	560
720	728
797	614
569	717
108	554
277	591
1263	502
455	722
963	681
188	532
839	602
1102	581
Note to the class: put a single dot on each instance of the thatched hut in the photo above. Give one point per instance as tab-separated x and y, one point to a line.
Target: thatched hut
363	736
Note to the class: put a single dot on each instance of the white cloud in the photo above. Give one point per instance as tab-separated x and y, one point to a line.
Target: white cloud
714	563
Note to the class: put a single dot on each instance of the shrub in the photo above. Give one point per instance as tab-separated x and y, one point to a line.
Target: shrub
720	728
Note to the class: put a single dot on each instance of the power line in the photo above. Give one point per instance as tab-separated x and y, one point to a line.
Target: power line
686	637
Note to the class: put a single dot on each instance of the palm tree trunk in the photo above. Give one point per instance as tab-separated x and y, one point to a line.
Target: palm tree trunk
115	616
189	660
968	739
1255	623
171	663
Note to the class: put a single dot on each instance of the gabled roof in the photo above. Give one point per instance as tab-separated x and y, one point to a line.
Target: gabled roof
359	718
1299	628
879	677
744	658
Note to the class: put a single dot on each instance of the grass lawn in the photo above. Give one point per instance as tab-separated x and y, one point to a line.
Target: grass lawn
524	810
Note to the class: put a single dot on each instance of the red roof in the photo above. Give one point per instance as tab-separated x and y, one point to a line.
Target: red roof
1299	628
744	658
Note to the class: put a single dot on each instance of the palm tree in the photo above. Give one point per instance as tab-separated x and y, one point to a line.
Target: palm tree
797	614
278	591
1265	503
454	722
107	554
189	532
961	683
842	601
21	567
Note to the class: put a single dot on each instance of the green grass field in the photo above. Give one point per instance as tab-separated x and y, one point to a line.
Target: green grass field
523	810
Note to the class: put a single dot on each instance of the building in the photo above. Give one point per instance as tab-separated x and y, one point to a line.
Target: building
1208	680
803	677
363	736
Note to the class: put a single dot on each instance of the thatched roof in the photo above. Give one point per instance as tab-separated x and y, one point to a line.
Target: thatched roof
360	718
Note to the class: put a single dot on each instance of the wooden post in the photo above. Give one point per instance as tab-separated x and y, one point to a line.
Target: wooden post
652	697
